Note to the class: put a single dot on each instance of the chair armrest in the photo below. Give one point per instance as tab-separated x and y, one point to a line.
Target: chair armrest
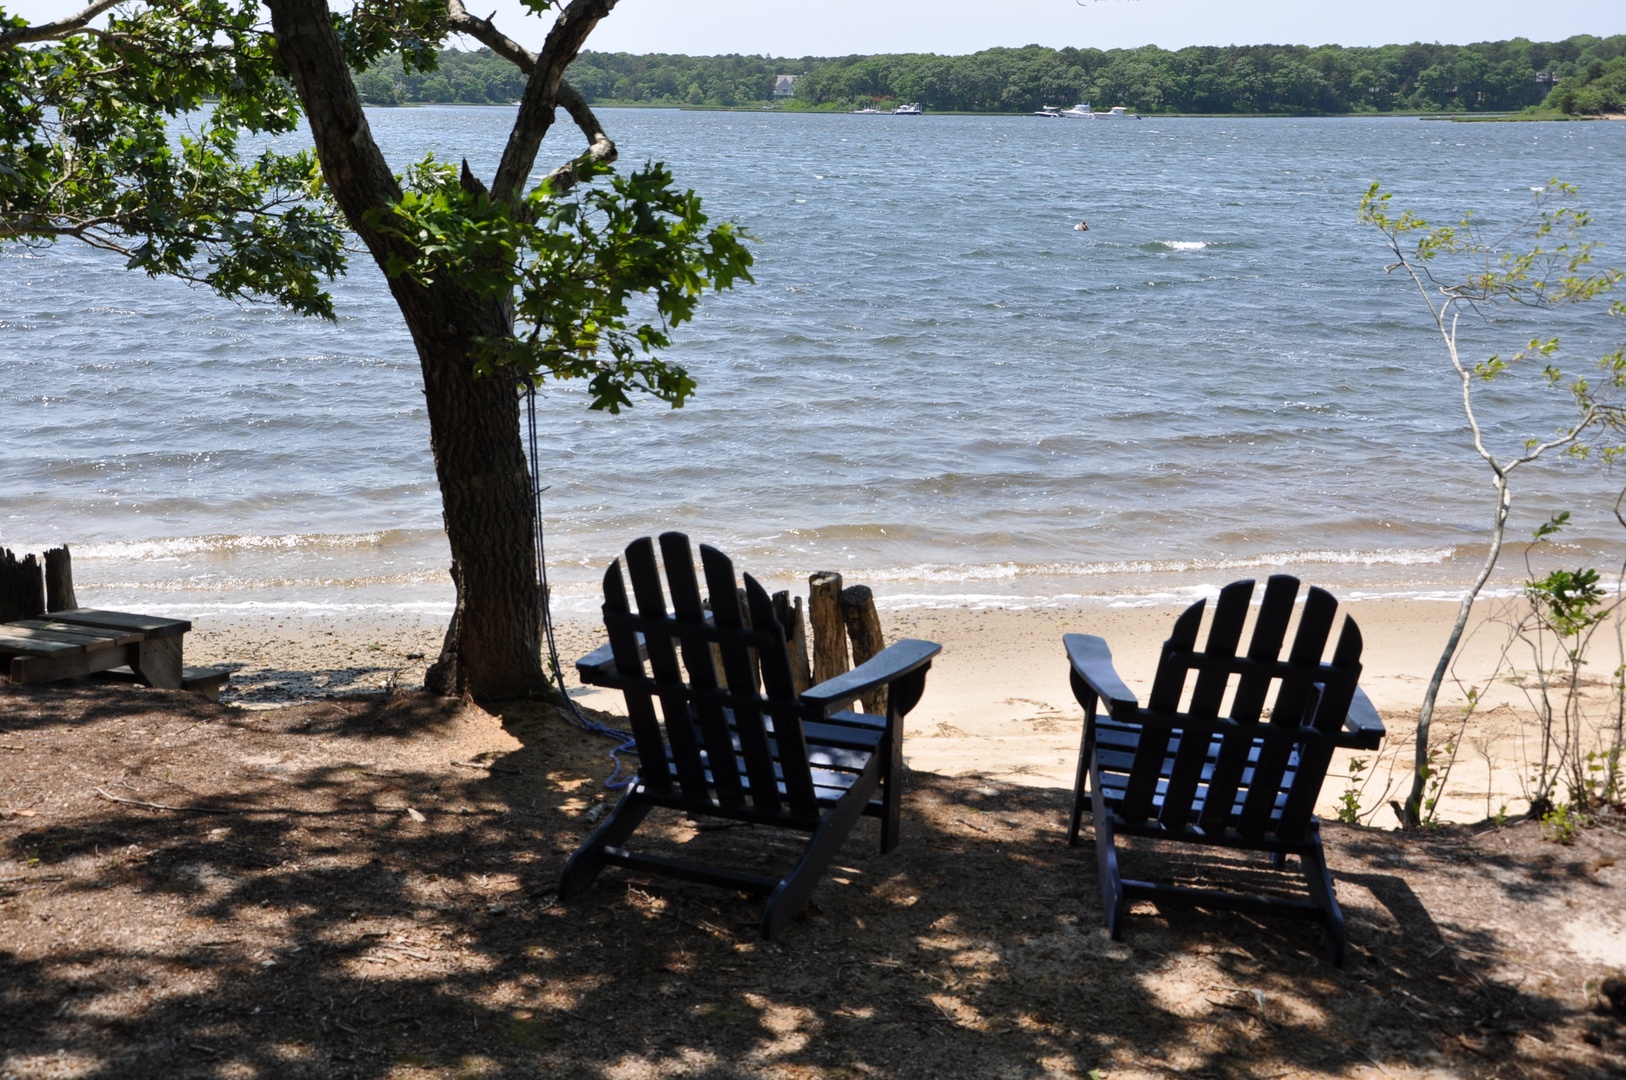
890	664
1092	664
597	668
1363	728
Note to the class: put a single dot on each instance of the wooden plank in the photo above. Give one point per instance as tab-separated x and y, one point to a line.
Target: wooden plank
151	625
667	676
628	649
158	661
749	720
1269	631
26	643
66	664
697	659
91	637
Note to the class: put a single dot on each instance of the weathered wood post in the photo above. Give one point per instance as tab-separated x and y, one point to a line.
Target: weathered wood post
789	614
864	628
22	589
829	630
59	580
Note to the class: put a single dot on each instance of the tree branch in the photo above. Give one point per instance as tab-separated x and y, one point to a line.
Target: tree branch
543	96
352	164
51	31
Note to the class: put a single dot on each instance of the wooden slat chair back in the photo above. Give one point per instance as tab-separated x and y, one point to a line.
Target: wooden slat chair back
720	730
1230	749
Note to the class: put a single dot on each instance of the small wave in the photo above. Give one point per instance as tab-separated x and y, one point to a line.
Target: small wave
1182	245
179	546
1011	571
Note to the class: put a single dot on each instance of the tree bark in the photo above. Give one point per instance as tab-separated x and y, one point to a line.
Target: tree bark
493	646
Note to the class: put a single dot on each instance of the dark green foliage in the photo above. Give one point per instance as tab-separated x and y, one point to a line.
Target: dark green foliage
579	265
108	139
1600	88
1283	79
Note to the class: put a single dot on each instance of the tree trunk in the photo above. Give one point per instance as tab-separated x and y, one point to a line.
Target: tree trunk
492	647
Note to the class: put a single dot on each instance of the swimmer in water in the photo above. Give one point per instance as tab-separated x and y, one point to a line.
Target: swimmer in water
1082	226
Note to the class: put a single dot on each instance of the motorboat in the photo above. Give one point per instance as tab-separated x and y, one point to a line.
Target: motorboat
914	108
1049	112
1082	111
867	112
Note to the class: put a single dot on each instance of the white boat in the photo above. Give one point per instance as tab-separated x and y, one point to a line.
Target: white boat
1082	111
914	108
866	112
1049	113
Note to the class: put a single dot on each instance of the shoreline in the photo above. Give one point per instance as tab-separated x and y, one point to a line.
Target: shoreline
997	703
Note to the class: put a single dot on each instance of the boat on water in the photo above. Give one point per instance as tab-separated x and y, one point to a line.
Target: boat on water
1049	112
867	112
914	108
1082	111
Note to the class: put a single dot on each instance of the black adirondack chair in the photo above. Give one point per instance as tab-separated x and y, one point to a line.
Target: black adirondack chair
721	732
1192	768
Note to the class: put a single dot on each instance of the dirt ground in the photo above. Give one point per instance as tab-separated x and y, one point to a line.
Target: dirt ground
364	887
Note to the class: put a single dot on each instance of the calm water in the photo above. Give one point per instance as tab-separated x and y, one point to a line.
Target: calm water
937	385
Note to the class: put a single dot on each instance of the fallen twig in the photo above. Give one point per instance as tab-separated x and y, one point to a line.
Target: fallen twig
164	806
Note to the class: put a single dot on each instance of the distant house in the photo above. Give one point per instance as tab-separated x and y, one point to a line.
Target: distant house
784	86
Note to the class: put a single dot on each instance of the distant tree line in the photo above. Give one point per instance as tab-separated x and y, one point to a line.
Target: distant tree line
1581	74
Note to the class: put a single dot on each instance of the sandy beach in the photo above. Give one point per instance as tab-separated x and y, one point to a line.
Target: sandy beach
997	702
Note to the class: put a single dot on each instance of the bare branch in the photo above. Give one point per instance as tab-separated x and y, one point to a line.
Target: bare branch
600	148
487	34
542	96
51	31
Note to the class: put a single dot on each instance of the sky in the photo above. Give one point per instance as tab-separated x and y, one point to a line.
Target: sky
796	28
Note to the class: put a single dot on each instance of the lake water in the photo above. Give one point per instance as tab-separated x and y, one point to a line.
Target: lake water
937	385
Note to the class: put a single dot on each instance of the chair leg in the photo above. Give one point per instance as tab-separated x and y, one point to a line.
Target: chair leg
1113	903
1319	880
891	754
1081	786
796	889
588	860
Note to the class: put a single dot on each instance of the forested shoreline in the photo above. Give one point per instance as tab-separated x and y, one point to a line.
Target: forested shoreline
1577	76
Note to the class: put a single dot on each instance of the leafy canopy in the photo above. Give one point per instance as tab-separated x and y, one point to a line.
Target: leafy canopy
157	137
579	262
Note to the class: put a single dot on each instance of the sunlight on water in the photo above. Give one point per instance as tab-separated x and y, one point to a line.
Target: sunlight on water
937	383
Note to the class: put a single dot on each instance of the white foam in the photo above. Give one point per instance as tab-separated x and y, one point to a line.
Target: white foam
178	546
1184	245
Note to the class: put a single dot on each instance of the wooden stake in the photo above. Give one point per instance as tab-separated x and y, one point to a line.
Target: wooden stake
22	589
790	617
864	627
59	580
829	631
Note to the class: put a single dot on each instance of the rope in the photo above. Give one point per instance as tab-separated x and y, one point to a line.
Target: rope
625	743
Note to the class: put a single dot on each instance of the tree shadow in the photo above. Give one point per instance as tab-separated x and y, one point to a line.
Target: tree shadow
296	918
